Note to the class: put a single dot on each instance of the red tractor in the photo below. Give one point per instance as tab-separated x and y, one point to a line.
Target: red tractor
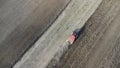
74	36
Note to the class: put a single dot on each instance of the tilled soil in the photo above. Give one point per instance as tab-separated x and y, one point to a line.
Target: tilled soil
99	43
22	22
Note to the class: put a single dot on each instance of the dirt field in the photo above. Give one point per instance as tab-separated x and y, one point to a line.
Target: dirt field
99	43
22	22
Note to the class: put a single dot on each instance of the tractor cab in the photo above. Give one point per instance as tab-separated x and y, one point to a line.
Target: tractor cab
74	36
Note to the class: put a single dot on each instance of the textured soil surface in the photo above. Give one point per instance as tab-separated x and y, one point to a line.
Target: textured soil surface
54	39
99	43
22	22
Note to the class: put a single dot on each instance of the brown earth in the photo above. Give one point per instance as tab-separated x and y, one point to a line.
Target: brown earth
22	22
99	43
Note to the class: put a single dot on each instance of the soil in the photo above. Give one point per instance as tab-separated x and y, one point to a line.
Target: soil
99	43
22	22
